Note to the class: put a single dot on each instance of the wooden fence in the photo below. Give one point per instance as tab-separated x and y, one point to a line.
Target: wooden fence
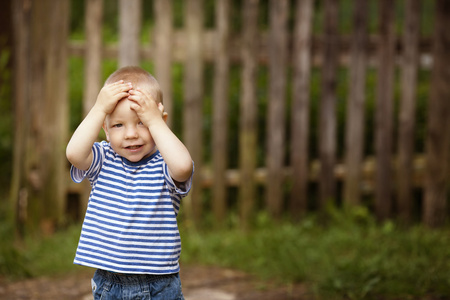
291	49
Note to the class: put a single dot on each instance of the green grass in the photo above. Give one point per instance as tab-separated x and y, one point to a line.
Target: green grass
34	257
351	257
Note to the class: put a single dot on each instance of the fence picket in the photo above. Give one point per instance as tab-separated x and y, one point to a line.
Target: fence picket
193	101
384	111
220	111
438	127
129	30
163	35
248	111
407	115
327	122
276	106
354	134
300	107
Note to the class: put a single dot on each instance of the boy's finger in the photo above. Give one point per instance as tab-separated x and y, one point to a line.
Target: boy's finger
146	94
115	83
134	106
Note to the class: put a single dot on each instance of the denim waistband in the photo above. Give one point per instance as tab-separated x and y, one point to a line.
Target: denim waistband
132	278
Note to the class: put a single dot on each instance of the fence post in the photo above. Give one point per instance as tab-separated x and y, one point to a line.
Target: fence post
220	111
129	29
438	124
248	111
163	35
193	103
354	130
300	107
407	118
278	12
327	118
384	110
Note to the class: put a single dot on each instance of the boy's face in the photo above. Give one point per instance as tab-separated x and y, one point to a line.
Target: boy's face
127	135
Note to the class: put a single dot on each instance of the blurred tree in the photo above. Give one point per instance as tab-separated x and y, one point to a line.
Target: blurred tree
40	98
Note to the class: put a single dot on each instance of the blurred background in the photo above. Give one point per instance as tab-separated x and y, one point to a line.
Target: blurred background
319	131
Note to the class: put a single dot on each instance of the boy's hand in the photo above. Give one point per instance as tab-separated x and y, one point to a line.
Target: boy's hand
146	107
111	94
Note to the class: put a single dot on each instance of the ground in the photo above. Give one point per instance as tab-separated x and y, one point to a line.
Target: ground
199	283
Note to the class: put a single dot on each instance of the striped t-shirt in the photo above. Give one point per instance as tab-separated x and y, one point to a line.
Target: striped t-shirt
130	224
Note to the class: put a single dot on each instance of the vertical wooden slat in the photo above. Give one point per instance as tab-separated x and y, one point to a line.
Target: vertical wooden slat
129	29
220	111
384	110
438	124
56	112
248	110
93	52
327	123
277	48
92	72
300	106
163	35
354	134
407	119
193	101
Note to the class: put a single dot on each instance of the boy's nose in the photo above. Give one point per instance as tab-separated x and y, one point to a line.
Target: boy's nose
131	133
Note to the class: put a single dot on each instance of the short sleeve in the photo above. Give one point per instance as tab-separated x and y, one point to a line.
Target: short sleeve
182	188
78	175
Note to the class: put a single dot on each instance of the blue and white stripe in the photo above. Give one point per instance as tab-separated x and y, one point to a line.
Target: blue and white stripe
130	224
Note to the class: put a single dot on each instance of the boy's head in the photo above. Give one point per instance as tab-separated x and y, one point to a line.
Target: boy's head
138	78
127	135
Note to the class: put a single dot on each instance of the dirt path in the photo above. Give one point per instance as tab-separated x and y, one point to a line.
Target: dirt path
199	283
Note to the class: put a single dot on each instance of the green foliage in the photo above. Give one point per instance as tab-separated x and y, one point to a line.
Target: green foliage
35	256
352	257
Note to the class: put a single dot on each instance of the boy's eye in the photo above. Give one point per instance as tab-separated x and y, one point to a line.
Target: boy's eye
117	125
140	123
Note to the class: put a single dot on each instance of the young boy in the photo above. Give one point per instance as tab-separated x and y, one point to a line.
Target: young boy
138	178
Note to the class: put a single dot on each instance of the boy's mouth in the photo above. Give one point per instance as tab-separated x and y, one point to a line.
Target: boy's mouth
133	147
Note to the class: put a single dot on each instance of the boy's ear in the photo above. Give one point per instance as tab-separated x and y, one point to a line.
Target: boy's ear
165	115
105	129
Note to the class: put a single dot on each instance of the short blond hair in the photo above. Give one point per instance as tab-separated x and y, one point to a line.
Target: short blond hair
138	78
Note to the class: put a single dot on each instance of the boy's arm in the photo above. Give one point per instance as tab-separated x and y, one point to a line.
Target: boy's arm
174	152
79	148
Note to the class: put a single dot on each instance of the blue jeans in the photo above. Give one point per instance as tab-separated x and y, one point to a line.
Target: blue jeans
107	286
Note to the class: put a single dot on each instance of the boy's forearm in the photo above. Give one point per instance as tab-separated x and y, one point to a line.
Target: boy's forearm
79	148
173	151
